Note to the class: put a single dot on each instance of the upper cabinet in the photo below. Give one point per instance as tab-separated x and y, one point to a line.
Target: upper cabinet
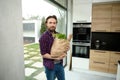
106	17
116	10
82	10
115	26
101	11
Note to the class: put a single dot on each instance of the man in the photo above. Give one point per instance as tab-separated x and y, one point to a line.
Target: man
53	66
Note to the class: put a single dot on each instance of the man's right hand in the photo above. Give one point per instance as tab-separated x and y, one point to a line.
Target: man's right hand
61	57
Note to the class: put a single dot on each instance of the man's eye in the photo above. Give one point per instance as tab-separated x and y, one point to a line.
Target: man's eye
50	22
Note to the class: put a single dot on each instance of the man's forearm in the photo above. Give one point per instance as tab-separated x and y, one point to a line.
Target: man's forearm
48	56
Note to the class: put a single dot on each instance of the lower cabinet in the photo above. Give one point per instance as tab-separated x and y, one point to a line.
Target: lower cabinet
99	60
104	61
114	58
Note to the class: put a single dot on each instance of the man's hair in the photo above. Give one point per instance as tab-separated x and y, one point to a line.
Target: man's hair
53	16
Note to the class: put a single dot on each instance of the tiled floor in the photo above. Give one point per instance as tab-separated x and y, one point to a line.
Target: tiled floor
74	75
34	69
33	63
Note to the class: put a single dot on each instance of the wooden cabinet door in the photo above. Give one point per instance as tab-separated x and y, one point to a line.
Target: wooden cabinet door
116	10
99	60
114	57
101	10
101	25
115	26
101	17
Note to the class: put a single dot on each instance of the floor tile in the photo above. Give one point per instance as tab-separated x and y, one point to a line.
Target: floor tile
33	53
72	75
27	61
26	55
38	64
25	51
35	58
29	71
41	76
31	49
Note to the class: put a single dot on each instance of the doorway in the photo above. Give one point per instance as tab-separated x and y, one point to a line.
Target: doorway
34	13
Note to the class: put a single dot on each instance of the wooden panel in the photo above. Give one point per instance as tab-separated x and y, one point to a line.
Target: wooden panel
98	66
114	57
101	10
99	60
101	25
113	68
99	53
116	10
115	27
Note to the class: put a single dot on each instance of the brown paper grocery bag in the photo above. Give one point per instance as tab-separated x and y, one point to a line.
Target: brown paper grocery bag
59	47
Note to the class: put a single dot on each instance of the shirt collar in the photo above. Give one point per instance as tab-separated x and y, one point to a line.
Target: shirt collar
50	32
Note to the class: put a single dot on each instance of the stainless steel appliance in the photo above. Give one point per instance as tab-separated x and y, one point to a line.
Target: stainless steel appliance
81	49
81	40
81	33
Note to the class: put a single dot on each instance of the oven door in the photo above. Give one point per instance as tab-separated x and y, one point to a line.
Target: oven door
81	50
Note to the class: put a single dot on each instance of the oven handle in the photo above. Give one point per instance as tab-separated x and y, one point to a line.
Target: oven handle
82	45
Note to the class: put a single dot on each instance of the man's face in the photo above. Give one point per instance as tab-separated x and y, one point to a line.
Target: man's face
51	24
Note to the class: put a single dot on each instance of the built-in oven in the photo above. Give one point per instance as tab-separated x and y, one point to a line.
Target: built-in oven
80	49
81	33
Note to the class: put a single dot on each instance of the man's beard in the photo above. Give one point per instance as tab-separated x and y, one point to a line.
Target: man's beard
51	30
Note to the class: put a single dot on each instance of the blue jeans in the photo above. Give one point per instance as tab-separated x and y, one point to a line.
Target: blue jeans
57	72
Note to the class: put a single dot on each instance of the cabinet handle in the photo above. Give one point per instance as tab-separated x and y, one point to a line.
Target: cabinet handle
117	30
115	64
117	52
101	30
99	62
101	51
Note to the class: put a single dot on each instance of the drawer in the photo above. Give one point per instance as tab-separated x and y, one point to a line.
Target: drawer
98	66
100	59
99	53
113	68
114	57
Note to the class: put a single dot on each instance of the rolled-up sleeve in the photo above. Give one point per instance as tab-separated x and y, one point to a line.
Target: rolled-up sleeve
43	45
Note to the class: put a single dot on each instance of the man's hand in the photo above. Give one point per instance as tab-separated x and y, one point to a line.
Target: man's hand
67	48
61	57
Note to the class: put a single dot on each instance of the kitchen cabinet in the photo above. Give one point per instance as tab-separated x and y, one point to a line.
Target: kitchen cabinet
116	10
106	17
101	25
101	11
101	17
104	61
114	58
99	60
82	10
115	26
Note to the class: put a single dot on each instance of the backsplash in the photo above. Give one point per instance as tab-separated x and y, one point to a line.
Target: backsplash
105	41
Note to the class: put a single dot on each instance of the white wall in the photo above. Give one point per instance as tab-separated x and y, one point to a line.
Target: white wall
82	10
11	43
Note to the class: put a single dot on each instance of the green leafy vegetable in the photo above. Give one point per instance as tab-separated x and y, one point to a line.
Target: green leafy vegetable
60	36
